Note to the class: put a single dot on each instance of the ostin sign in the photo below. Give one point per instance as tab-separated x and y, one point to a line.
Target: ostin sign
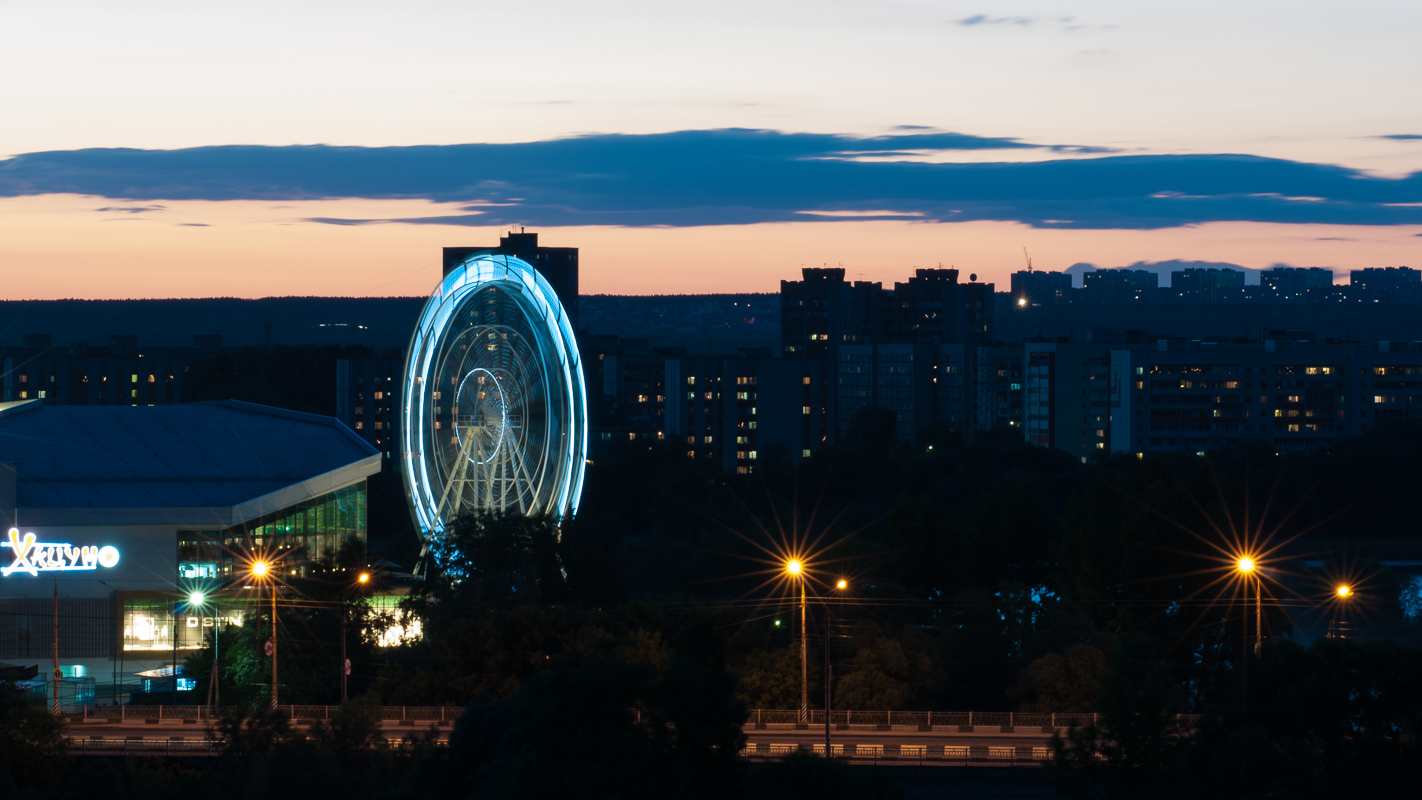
35	557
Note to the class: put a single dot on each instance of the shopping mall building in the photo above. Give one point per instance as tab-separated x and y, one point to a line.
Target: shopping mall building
123	511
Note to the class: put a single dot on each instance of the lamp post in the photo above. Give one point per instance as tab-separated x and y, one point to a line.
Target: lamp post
1247	566
1343	594
841	585
346	662
796	571
260	570
198	600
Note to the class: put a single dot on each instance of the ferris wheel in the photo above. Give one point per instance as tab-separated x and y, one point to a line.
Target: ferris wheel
494	412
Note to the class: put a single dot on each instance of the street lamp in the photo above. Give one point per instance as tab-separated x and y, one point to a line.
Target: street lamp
198	600
841	585
1247	566
260	570
795	570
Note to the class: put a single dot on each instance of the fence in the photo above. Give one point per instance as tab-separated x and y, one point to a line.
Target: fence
966	721
911	755
203	713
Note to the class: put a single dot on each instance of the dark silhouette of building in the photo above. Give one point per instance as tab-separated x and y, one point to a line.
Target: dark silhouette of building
1118	286
822	311
1385	285
557	265
1037	288
1199	285
1293	284
932	307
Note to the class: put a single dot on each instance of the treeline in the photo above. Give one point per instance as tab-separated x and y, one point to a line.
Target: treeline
990	577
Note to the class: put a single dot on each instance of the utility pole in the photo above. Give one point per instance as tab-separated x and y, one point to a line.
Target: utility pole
345	662
804	660
829	676
54	652
274	647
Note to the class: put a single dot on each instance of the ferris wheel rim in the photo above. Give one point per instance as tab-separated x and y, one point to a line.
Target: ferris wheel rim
546	470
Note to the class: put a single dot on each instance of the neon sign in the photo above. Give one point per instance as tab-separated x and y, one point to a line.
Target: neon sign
35	557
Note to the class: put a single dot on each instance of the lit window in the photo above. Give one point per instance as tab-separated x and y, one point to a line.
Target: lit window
381	395
691	440
631	436
150	379
378	425
691	381
804	453
708	440
358	424
41	394
752	454
133	379
807	380
24	395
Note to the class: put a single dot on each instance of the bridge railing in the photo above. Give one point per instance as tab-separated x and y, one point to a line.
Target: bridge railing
205	714
1004	721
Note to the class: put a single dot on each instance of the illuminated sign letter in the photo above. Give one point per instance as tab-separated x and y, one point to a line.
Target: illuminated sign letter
34	557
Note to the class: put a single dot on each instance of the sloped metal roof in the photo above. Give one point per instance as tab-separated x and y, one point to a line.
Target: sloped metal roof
195	455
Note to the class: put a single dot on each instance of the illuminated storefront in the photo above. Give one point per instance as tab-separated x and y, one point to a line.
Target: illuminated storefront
124	511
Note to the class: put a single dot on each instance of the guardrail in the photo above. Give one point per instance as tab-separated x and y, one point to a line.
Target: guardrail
759	719
203	713
912	755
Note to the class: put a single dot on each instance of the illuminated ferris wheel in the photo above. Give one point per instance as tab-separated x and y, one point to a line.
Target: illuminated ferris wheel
494	413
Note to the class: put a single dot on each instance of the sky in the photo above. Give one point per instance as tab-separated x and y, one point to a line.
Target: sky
155	149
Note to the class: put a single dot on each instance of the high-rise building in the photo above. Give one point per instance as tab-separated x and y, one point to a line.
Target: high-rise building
1038	288
1201	285
1118	286
557	265
1385	285
1293	284
932	307
822	311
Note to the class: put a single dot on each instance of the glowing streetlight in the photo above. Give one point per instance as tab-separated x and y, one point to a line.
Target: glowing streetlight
842	584
1344	591
259	569
1245	564
196	599
1021	302
364	577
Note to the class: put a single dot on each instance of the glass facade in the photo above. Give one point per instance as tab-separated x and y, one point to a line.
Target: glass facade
150	624
311	531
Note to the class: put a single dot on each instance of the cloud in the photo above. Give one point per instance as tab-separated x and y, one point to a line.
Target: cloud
735	176
1402	137
984	19
130	209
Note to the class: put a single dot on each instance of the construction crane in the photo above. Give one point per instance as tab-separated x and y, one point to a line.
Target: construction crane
1029	259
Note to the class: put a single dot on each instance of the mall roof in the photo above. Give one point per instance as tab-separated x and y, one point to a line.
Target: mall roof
233	460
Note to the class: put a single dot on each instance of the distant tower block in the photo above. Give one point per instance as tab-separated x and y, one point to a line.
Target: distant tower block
557	265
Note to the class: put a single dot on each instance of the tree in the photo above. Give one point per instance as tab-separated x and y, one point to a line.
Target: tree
1134	749
613	728
1064	683
32	746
